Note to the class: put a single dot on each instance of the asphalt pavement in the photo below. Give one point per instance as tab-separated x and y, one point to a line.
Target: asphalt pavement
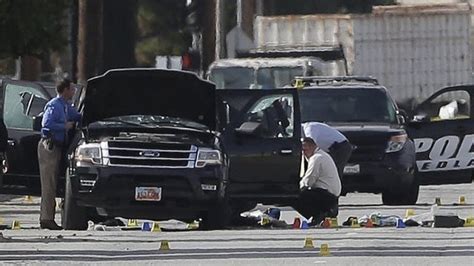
251	245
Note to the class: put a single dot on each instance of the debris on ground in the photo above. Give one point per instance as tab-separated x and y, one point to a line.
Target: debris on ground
267	218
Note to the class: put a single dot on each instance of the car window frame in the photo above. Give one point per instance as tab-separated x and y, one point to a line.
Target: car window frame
42	92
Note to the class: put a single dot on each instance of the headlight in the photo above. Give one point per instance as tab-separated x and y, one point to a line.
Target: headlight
208	156
396	143
88	153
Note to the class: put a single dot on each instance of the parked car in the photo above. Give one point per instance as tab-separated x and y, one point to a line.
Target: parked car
21	102
393	154
160	144
383	157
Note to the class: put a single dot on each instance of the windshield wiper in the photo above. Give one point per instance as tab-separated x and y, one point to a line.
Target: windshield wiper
140	124
175	124
363	121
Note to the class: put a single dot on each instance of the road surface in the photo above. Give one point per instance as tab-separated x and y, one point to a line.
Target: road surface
252	245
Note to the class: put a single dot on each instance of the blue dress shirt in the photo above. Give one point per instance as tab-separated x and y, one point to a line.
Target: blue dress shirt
56	113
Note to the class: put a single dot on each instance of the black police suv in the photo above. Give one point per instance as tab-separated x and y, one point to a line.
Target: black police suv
161	144
383	157
392	153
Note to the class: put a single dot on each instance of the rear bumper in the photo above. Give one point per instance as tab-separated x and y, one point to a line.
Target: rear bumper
114	190
393	172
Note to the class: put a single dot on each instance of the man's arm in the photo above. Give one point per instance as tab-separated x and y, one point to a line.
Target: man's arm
312	173
74	115
49	118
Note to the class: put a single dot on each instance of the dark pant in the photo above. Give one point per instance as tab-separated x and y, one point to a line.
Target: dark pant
317	203
49	157
340	153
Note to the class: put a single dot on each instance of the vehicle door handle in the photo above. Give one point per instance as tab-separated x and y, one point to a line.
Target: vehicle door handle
286	152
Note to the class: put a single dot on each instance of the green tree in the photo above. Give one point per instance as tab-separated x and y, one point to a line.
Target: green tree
161	30
32	27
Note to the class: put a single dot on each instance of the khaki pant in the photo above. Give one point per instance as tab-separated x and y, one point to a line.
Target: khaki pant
49	161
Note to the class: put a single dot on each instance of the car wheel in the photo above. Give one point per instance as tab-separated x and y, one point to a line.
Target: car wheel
217	217
73	217
407	196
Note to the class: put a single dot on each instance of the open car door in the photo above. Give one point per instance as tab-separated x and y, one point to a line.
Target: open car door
21	102
261	133
443	131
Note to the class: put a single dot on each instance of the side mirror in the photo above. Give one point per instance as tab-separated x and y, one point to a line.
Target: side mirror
248	128
401	119
37	123
420	118
402	116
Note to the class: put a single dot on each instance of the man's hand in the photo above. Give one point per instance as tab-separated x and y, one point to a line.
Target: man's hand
69	125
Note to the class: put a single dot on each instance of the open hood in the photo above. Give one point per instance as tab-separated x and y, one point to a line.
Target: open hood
121	92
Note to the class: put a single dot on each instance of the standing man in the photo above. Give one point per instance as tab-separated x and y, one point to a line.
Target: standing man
59	116
331	141
320	186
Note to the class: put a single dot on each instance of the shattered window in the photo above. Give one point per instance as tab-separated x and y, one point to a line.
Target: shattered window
21	104
275	114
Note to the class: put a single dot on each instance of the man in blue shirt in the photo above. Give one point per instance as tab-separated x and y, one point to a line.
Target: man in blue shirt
59	116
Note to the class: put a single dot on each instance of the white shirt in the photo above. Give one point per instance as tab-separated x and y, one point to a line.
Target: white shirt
322	173
322	134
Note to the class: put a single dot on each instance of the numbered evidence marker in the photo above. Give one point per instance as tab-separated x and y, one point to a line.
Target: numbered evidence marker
324	251
165	245
308	243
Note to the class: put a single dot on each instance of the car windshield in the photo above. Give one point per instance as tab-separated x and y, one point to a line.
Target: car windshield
154	121
277	77
244	77
232	77
346	105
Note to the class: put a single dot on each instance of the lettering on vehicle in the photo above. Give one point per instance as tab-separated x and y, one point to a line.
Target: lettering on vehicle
446	153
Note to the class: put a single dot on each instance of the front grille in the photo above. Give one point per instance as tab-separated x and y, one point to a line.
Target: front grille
150	155
367	153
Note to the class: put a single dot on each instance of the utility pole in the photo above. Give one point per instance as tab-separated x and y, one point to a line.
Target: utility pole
89	55
208	32
220	35
73	35
119	22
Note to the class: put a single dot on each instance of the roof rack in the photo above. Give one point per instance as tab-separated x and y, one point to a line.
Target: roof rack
305	81
326	53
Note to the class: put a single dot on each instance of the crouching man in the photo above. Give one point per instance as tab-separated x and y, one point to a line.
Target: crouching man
320	186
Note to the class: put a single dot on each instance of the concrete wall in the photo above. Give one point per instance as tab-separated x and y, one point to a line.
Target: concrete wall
424	2
434	2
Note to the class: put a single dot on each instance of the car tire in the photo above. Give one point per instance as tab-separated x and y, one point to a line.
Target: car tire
217	217
406	196
73	217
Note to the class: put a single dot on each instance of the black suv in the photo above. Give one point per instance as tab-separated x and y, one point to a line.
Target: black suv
383	157
160	144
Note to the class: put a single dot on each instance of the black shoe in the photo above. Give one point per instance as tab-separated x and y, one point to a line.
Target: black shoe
51	225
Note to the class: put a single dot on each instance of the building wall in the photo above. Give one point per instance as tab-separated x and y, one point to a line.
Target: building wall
424	2
471	2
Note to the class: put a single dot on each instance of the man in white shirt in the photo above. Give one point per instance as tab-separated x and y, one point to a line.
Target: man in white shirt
331	141
320	186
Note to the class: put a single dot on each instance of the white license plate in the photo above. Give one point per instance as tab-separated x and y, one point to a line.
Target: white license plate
352	169
148	193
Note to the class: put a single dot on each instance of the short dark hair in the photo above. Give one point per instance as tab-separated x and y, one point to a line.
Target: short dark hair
62	85
309	140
